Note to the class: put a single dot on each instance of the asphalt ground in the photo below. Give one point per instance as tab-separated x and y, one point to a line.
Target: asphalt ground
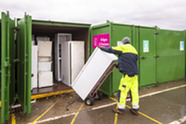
165	103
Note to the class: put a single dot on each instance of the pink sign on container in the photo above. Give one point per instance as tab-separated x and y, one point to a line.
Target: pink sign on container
104	40
101	40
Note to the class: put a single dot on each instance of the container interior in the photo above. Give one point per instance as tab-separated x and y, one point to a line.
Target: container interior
78	34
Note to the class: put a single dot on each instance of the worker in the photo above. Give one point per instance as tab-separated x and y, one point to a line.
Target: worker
127	65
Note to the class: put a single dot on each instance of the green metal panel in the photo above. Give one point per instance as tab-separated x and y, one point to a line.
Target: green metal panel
147	56
7	65
171	60
103	29
24	64
118	32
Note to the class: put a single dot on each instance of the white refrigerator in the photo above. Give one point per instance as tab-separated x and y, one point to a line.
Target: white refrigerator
59	39
92	71
73	59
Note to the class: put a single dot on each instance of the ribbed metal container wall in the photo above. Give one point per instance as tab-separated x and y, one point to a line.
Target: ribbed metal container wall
96	30
118	31
146	45
171	55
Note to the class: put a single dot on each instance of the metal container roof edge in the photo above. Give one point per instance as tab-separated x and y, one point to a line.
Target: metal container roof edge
138	26
171	30
58	23
108	23
100	25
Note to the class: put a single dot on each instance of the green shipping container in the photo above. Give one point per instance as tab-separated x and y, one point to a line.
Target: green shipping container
154	46
16	43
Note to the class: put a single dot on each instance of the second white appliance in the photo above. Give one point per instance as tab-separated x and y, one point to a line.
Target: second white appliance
73	59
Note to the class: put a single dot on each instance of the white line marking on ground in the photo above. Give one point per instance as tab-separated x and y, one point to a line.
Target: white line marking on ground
169	89
142	96
104	106
179	121
107	105
19	105
54	118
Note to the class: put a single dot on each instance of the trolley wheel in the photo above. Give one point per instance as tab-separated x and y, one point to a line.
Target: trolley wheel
89	101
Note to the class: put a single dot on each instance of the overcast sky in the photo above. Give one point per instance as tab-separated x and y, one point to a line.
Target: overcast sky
166	14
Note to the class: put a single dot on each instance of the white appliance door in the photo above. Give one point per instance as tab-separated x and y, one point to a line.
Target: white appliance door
34	66
91	72
77	58
59	38
45	79
65	63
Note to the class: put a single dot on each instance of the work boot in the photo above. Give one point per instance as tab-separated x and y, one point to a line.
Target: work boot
118	111
134	112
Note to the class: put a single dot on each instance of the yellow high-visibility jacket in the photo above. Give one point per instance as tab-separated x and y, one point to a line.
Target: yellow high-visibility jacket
127	58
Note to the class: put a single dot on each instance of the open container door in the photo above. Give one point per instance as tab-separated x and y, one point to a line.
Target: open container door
7	65
24	64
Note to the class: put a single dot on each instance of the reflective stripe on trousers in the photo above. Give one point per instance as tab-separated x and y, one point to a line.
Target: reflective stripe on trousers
128	83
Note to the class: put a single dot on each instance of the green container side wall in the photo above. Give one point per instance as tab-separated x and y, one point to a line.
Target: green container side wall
171	61
118	32
106	87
